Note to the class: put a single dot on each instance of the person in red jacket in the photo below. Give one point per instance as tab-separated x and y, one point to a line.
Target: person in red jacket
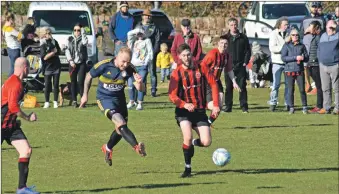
188	37
187	92
218	60
11	94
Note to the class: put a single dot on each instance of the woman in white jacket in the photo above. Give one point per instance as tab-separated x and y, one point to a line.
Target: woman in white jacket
276	43
142	55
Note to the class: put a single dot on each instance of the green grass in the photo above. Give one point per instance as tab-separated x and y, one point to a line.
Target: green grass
271	152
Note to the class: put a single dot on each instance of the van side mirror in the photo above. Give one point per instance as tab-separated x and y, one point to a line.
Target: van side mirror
100	32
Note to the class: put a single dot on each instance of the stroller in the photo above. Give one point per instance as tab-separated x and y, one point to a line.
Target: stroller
33	81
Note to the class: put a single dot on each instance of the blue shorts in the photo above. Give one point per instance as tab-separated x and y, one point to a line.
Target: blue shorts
117	104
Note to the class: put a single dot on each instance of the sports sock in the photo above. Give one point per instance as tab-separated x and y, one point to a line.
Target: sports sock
212	118
23	172
113	140
128	135
188	154
197	142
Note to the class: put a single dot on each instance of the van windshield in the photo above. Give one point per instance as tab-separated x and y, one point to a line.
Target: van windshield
275	11
62	22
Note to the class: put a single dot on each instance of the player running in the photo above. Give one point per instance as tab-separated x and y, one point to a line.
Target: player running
113	73
218	60
12	92
187	92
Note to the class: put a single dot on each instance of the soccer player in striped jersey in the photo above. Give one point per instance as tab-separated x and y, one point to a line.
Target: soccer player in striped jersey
187	92
218	60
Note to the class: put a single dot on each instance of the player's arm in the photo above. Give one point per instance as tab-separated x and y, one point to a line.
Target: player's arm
229	70
211	81
13	106
173	90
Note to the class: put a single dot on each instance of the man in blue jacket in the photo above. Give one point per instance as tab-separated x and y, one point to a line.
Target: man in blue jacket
328	55
120	24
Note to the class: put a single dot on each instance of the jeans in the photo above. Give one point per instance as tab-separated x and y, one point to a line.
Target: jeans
132	91
315	74
13	54
117	47
153	74
240	74
330	80
277	70
290	89
165	72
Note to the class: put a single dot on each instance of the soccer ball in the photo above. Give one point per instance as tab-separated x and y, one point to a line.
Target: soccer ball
221	157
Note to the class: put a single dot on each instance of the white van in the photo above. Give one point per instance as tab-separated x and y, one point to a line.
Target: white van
61	18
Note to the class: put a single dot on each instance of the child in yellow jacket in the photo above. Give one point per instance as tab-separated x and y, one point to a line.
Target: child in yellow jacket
164	62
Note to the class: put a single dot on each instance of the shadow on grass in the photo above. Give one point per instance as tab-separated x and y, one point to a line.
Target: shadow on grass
13	148
283	126
144	186
269	187
252	171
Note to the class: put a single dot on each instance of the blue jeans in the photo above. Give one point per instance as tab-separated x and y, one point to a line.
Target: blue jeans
277	70
117	47
13	54
132	91
165	72
153	74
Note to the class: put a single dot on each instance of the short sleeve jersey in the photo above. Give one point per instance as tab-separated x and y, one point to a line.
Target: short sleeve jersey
112	80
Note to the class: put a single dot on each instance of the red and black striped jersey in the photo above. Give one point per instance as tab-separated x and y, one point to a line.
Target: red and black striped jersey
189	86
11	94
217	62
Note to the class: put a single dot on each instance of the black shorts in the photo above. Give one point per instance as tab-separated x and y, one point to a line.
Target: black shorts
209	91
117	104
198	118
12	134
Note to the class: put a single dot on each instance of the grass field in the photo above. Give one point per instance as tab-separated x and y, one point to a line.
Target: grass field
271	152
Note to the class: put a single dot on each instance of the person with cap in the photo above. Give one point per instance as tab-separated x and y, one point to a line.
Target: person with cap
315	16
121	23
188	37
240	51
152	32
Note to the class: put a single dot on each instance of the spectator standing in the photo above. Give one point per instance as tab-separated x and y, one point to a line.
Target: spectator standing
328	55
50	51
276	43
240	51
152	32
76	54
12	39
187	37
164	62
121	23
142	55
313	33
294	54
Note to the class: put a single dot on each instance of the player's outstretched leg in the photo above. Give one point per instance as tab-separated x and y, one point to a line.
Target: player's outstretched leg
108	148
128	135
205	138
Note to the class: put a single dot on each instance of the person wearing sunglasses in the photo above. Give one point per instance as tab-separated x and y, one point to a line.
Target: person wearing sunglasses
294	54
76	54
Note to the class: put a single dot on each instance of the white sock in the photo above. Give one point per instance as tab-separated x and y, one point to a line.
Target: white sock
107	149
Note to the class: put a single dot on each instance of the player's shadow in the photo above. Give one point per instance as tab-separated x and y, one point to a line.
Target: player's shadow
269	187
144	186
281	126
13	148
268	171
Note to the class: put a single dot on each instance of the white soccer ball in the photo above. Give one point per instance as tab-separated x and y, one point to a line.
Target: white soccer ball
221	157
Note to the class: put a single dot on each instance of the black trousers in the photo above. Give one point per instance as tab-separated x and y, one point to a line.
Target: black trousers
315	74
291	87
48	86
240	74
77	75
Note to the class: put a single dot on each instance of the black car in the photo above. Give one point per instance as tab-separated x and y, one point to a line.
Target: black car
161	21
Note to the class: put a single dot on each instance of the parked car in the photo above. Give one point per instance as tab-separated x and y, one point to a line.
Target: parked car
61	17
